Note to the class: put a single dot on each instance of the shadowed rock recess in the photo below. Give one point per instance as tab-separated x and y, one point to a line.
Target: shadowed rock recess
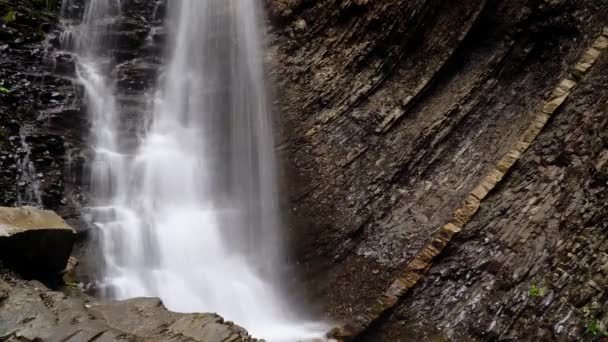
445	164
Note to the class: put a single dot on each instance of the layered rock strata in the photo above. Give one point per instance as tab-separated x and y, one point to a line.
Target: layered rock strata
373	176
420	265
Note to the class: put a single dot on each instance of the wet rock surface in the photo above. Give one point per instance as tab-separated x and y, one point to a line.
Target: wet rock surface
31	312
393	112
38	134
43	123
554	240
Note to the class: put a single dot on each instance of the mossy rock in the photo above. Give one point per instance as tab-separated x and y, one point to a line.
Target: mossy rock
9	17
28	14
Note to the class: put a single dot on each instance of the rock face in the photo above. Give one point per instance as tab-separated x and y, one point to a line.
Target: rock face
394	113
36	144
31	312
37	243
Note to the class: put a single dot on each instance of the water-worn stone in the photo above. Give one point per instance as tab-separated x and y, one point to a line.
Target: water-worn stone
35	242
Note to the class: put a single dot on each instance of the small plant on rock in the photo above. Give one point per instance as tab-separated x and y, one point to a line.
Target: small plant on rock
536	291
594	328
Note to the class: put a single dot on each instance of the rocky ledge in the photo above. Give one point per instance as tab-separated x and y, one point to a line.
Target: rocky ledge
29	311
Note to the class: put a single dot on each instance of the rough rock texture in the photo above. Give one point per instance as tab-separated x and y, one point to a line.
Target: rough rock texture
553	238
417	268
35	242
39	122
394	112
31	312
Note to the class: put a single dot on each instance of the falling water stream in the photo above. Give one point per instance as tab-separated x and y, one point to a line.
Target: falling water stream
191	214
27	181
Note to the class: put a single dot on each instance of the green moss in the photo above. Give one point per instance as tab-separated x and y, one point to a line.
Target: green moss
536	291
28	13
594	328
9	17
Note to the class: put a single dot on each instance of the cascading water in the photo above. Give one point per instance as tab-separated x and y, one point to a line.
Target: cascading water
191	215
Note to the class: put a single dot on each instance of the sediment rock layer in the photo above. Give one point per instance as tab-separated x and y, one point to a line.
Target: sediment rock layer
416	269
552	238
393	112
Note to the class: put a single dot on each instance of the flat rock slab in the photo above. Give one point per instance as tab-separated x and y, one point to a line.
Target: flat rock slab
36	243
29	311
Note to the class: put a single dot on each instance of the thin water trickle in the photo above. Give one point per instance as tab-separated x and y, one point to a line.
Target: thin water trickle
27	182
192	215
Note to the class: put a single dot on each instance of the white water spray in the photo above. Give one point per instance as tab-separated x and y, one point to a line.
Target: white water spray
192	216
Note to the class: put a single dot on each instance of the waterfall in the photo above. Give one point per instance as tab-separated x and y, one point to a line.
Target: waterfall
191	214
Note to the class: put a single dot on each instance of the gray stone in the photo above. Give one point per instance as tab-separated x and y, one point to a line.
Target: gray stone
30	311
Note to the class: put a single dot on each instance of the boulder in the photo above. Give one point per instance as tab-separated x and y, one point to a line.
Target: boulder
36	243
